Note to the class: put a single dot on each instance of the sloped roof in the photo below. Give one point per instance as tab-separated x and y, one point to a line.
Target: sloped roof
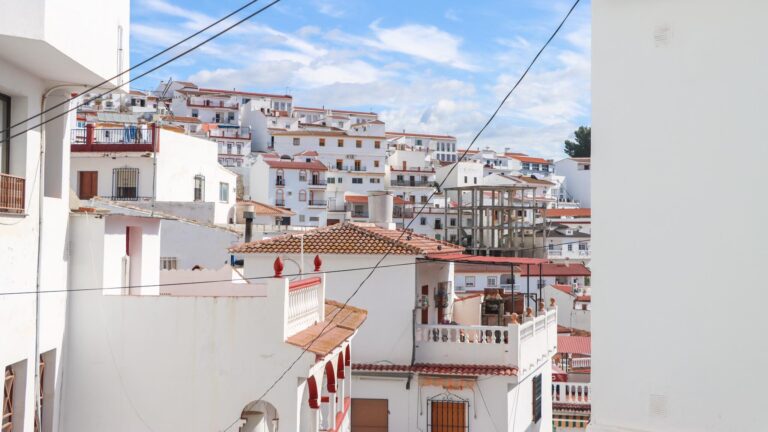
575	212
262	209
351	239
289	164
340	324
529	159
574	344
556	270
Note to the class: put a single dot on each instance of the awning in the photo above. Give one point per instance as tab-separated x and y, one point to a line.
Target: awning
474	259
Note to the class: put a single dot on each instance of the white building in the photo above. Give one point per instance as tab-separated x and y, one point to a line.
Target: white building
211	345
533	166
410	372
180	171
43	44
698	112
577	184
466	173
296	185
443	147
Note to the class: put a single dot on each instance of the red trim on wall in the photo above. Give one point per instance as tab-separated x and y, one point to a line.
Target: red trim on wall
348	357
304	283
331	376
341	414
340	366
312	387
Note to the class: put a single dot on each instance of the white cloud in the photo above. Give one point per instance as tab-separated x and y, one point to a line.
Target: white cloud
452	15
331	9
421	41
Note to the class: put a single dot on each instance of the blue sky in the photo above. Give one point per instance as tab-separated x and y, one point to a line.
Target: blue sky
425	66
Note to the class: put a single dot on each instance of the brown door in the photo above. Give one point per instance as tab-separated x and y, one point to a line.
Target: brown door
425	311
370	415
448	416
89	184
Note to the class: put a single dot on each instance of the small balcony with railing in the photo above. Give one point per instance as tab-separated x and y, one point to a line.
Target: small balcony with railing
562	252
197	102
317	203
141	138
12	192
230	133
404	182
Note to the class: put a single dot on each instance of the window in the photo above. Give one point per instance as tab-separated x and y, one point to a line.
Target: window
296	141
423	220
423	199
168	263
199	188
224	192
375	180
239	149
466	180
536	398
339	164
438	237
452	222
302	195
301	218
229	148
195	113
418	142
340	143
492	280
356	180
239	163
359	143
469	281
375	164
231	117
331	180
475	180
377	144
322	142
526	166
302	175
125	183
341	180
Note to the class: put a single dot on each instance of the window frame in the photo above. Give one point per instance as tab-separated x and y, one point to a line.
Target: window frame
223	192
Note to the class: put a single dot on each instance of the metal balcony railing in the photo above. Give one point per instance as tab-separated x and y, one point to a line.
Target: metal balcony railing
125	136
279	181
411	183
11	194
317	182
321	203
280	203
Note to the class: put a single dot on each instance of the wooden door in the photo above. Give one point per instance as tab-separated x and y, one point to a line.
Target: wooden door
425	311
89	184
448	416
370	415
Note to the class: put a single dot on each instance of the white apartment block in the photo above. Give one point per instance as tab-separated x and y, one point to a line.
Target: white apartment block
296	185
577	184
137	163
43	44
442	146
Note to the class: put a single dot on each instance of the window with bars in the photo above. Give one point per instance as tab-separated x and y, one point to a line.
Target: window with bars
536	398
168	263
448	413
199	187
125	183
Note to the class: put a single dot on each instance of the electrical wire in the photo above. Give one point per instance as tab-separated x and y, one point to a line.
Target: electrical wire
141	63
253	277
172	59
389	250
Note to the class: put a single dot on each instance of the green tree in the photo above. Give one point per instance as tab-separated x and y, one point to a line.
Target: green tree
583	145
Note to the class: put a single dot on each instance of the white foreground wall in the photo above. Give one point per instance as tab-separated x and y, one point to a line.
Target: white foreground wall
691	73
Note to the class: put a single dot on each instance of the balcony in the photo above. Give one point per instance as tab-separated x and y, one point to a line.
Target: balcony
317	182
525	345
413	169
232	133
572	254
280	203
411	183
359	213
130	139
571	393
354	168
318	203
438	225
11	194
279	181
207	103
304	304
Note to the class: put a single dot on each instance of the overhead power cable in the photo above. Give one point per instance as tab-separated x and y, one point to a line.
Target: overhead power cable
389	250
172	59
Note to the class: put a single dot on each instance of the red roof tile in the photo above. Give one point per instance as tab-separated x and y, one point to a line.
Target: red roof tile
440	369
556	270
530	159
564	288
288	164
349	238
332	110
574	344
584	298
409	134
356	199
308	153
577	212
234	92
340	324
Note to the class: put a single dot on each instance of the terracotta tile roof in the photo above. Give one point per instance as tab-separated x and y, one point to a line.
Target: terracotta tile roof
533	180
470	296
584	298
320	133
574	344
289	164
261	209
340	324
564	288
399	201
333	110
351	239
529	159
409	134
557	270
308	153
479	268
234	92
440	369
181	119
356	199
577	212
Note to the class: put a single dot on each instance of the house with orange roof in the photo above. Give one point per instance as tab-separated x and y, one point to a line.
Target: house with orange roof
421	344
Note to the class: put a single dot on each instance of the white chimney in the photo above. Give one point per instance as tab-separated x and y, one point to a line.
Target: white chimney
380	205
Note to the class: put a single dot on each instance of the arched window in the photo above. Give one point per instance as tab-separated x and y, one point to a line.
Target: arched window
302	195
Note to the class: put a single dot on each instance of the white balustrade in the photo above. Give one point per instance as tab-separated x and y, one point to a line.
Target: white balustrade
579	363
462	334
571	393
303	308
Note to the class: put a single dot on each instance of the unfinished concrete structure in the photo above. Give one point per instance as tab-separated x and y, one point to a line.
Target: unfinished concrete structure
498	220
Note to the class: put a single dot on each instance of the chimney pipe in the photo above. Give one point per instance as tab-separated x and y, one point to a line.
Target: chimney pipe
248	216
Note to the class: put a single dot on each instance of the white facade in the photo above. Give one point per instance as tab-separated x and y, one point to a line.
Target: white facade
466	173
577	183
185	175
41	48
442	147
701	84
